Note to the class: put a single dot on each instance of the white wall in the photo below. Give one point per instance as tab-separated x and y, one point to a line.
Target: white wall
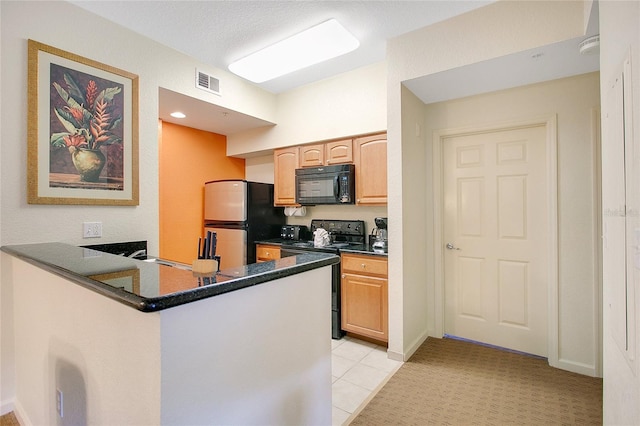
620	37
259	169
492	31
575	102
414	293
156	65
98	352
349	104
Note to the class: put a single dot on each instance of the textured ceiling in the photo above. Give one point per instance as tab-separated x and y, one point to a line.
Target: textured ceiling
219	32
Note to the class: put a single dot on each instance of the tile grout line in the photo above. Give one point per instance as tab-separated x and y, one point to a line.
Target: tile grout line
369	349
371	396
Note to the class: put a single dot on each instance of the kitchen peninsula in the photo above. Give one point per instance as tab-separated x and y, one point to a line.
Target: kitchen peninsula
124	341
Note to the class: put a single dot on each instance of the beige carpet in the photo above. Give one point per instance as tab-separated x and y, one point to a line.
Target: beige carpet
453	382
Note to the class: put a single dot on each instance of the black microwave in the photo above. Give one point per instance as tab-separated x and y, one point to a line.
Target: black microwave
326	185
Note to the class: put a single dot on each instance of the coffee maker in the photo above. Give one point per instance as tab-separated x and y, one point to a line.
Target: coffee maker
381	242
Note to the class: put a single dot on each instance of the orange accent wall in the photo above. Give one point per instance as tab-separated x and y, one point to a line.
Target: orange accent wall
187	159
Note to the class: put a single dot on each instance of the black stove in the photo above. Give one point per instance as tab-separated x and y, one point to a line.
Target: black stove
343	233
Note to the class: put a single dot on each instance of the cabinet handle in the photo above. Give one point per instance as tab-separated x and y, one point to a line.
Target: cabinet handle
343	276
364	266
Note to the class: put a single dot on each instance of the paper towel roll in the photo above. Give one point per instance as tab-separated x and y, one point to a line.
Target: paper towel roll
295	211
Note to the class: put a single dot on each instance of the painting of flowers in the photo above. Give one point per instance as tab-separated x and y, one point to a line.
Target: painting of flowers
86	118
82	130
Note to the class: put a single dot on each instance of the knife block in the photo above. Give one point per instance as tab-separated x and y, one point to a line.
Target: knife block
205	266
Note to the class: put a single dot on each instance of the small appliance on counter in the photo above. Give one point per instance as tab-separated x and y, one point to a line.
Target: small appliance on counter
381	243
294	232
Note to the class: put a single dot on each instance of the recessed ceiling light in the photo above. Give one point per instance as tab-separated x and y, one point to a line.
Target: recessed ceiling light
319	43
177	114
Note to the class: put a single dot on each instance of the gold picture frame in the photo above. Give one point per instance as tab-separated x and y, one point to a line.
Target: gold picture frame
128	279
82	130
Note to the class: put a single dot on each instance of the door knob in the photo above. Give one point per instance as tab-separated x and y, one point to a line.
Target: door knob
451	247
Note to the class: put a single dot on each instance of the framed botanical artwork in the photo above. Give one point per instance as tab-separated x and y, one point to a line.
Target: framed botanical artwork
82	130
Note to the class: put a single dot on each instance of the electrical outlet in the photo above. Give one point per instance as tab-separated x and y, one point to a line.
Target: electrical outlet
59	403
87	253
92	230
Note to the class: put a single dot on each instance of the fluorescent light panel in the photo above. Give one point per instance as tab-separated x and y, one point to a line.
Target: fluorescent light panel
317	44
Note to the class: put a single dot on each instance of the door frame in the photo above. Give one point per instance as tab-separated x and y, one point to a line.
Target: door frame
439	137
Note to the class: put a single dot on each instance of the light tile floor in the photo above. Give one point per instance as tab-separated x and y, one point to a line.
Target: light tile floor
358	369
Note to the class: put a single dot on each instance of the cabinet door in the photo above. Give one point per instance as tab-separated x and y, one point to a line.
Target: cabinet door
312	155
364	306
370	157
339	152
285	162
265	253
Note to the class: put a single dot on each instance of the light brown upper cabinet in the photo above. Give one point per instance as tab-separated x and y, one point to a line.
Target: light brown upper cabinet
368	153
370	158
325	154
285	162
311	155
339	152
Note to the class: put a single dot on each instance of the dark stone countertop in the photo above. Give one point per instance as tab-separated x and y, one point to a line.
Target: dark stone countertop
355	248
151	286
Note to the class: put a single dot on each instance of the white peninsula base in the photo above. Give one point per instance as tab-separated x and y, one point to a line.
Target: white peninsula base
259	355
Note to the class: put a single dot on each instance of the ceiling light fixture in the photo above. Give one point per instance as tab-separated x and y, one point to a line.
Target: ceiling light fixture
177	114
316	44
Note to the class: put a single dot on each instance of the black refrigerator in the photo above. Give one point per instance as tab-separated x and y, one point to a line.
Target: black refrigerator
240	213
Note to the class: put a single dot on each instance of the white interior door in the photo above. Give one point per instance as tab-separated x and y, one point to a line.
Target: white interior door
495	234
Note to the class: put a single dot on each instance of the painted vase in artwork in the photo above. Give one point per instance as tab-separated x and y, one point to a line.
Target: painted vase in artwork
88	162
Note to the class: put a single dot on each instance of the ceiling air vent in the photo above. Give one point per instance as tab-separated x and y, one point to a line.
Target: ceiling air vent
207	82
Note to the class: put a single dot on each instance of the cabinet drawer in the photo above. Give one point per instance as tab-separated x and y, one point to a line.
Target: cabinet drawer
364	265
266	253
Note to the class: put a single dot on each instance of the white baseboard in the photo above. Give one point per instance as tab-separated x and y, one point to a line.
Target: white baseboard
21	415
576	367
411	350
6	406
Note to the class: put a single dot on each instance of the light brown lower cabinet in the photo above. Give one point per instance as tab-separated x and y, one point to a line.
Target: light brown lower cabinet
265	253
365	306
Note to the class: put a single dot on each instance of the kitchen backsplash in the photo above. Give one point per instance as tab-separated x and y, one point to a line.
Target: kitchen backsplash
340	212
